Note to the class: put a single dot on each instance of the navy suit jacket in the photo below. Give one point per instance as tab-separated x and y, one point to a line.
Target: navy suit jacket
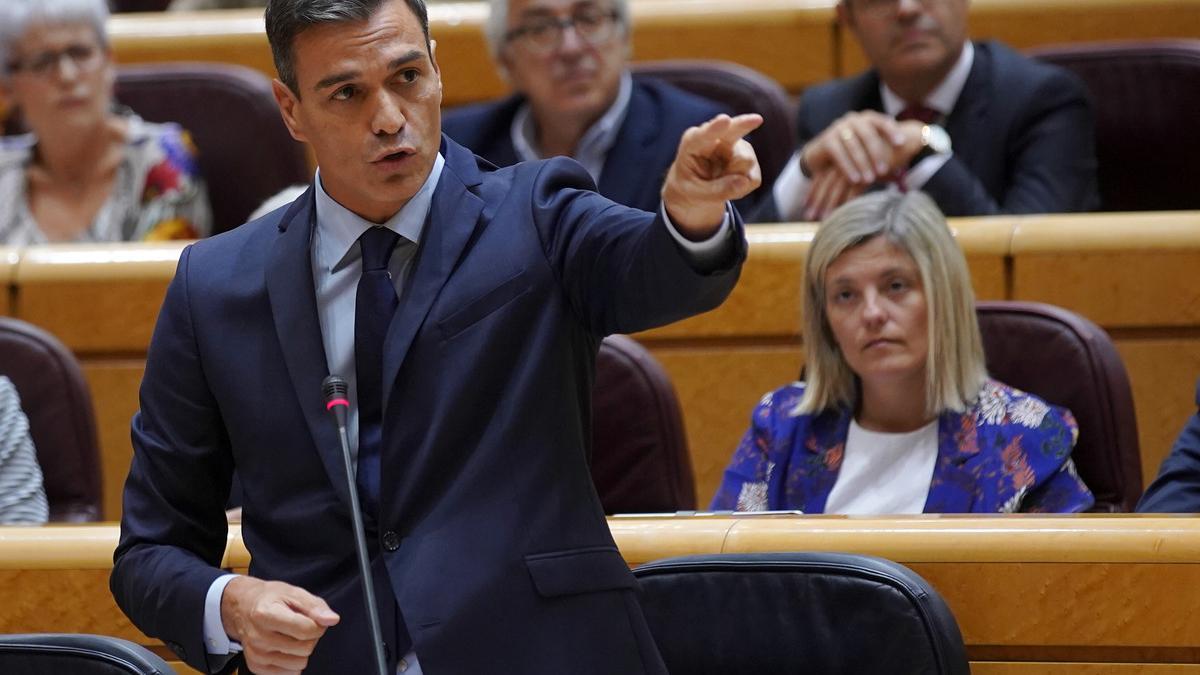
490	539
1022	131
1177	487
635	166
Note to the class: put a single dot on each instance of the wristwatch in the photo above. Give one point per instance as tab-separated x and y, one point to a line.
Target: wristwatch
934	141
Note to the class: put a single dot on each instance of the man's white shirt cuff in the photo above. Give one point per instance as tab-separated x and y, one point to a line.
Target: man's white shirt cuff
216	640
919	175
791	191
709	251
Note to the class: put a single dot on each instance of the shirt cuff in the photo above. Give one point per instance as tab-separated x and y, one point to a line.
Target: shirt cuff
709	252
791	190
919	175
216	640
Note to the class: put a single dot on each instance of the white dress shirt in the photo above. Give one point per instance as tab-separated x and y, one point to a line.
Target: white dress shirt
792	187
336	268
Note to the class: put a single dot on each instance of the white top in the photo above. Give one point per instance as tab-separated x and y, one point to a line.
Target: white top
792	187
884	473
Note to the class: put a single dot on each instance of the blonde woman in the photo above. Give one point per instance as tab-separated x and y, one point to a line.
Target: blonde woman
898	414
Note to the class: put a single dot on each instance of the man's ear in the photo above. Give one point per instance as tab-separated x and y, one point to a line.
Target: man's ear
288	104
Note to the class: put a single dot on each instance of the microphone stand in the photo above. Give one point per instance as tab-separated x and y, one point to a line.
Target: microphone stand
334	387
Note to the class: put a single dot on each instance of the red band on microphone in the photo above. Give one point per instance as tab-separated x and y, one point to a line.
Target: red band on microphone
336	402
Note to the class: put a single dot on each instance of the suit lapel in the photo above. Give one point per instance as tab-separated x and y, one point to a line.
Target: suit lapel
452	218
293	303
639	131
972	104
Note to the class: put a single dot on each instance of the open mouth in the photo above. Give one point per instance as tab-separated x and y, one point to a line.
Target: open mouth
395	156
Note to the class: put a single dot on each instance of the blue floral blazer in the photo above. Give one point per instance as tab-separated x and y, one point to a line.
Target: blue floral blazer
1010	452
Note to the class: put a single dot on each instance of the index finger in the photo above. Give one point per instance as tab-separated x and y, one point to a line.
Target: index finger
724	128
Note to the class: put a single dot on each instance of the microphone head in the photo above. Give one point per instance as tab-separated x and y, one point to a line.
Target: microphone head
335	390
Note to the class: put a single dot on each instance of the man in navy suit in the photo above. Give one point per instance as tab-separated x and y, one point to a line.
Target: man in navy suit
1177	487
980	128
465	306
567	61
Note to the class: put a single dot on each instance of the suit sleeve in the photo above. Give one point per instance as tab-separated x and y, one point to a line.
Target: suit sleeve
1177	487
173	528
620	268
1051	158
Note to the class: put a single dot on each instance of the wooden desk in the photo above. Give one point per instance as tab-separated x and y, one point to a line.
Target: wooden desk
1079	595
8	267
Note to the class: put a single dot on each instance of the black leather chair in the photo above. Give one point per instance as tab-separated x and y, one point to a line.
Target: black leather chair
75	654
1147	139
743	90
139	5
1071	362
56	399
793	613
640	460
246	153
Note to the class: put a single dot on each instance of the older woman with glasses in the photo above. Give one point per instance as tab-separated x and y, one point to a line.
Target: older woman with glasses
87	171
898	414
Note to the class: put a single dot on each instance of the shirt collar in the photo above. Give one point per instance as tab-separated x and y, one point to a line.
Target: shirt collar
340	227
596	141
944	96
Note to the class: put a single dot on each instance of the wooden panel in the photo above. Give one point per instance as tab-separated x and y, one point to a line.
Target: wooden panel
1163	375
114	385
787	41
1116	269
8	267
63	601
718	387
1032	23
1044	668
101	298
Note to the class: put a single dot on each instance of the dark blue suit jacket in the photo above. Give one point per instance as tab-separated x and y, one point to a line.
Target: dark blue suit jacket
636	165
1023	135
503	561
1177	487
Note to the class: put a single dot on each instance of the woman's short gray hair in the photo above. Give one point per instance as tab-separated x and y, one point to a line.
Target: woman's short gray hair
496	25
16	16
954	365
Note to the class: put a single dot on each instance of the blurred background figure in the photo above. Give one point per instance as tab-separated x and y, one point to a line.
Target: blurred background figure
22	496
568	62
86	171
1176	489
898	414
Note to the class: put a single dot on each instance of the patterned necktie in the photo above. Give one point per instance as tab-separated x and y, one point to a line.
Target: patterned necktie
375	304
921	113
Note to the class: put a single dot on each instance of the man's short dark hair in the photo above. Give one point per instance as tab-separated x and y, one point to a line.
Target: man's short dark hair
288	18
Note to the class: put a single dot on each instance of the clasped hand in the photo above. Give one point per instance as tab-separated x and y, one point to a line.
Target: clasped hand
277	624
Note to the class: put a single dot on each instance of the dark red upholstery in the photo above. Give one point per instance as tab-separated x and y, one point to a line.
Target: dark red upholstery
640	461
1147	98
246	152
55	398
1070	361
743	90
139	5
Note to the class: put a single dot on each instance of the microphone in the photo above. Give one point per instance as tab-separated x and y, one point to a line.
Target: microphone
336	402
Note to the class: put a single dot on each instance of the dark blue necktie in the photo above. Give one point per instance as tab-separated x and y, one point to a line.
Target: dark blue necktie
375	304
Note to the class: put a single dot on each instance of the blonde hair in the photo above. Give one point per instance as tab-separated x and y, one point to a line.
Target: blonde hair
954	365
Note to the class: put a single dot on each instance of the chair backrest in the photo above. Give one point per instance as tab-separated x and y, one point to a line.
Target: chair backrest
743	90
77	654
1071	362
55	398
246	152
139	5
828	613
639	457
1146	97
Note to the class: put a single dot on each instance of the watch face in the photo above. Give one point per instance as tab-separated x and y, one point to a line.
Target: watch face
939	140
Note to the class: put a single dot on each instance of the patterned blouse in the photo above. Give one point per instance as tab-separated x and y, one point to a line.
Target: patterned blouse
22	499
1009	452
158	193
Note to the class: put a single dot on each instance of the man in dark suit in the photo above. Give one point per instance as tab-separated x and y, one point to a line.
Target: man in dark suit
465	306
980	128
1177	487
567	61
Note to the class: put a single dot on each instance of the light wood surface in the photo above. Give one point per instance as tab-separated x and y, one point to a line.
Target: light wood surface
1053	595
8	266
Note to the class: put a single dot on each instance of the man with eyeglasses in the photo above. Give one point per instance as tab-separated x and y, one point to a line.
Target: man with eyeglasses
567	61
979	127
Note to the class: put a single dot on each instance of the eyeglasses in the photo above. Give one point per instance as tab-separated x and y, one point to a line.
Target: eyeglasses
85	58
545	34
